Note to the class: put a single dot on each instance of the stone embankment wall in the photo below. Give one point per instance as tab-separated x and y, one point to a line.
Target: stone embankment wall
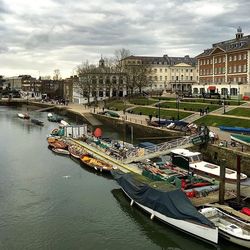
139	129
214	154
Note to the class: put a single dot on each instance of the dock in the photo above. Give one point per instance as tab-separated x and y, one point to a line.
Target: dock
46	109
102	155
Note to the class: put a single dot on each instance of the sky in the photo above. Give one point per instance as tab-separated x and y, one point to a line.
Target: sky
39	36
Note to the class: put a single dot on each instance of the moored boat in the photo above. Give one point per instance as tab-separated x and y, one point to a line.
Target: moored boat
235	129
192	161
61	151
37	122
170	206
23	116
54	118
230	227
97	164
77	151
243	139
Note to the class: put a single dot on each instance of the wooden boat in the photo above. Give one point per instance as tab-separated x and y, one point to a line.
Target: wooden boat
169	206
23	116
192	161
77	151
63	123
37	122
97	164
243	139
61	151
57	143
230	227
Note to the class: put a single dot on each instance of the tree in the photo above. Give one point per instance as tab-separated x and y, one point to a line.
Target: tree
86	84
57	75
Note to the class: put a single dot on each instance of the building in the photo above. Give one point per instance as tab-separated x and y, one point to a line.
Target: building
99	83
225	68
175	74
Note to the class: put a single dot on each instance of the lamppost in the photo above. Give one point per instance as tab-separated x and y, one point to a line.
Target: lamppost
238	94
229	90
159	111
178	107
224	106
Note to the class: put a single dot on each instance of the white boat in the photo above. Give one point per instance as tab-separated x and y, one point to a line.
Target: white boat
23	116
64	123
230	227
61	151
50	115
172	208
193	161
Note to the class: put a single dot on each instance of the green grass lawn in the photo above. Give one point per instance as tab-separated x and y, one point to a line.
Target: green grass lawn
166	114
190	106
142	101
215	121
164	98
117	105
240	112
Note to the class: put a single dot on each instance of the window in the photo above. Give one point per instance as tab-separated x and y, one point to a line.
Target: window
160	78
191	78
191	70
166	78
172	70
244	68
235	69
186	78
207	61
223	70
215	60
177	70
235	57
230	69
215	71
166	70
239	68
186	70
211	61
211	71
176	78
155	70
230	58
219	60
160	70
239	57
244	56
173	78
224	58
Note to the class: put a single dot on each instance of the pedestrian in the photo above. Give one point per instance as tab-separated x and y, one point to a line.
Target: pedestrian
200	112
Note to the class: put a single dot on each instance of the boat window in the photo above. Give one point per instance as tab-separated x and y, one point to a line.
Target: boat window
195	158
211	166
229	171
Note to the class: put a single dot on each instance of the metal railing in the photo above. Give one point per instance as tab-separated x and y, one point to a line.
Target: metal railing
160	147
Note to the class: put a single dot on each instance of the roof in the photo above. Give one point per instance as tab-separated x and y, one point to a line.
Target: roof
228	46
184	152
165	59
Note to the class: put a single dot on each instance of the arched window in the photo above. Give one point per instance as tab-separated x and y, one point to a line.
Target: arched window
224	91
195	90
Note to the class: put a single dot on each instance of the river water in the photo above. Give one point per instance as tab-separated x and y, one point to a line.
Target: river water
52	202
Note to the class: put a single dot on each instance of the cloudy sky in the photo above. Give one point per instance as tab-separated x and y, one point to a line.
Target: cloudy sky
38	36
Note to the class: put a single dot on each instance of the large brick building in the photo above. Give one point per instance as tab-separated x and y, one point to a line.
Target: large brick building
225	68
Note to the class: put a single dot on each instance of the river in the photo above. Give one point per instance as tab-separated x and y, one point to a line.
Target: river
52	202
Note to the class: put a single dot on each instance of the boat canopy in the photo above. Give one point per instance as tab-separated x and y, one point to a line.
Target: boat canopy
173	203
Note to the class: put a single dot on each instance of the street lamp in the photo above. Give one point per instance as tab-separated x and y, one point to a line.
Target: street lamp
159	111
238	95
230	90
224	107
178	107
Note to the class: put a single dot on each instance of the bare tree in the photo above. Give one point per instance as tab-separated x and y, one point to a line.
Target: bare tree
86	84
57	75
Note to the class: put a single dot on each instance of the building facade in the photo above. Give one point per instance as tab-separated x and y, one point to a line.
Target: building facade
225	68
175	74
99	83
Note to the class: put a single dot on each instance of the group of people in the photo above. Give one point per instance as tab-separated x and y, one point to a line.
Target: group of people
204	111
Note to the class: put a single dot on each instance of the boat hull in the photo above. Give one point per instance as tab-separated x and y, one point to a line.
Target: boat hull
235	240
199	231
